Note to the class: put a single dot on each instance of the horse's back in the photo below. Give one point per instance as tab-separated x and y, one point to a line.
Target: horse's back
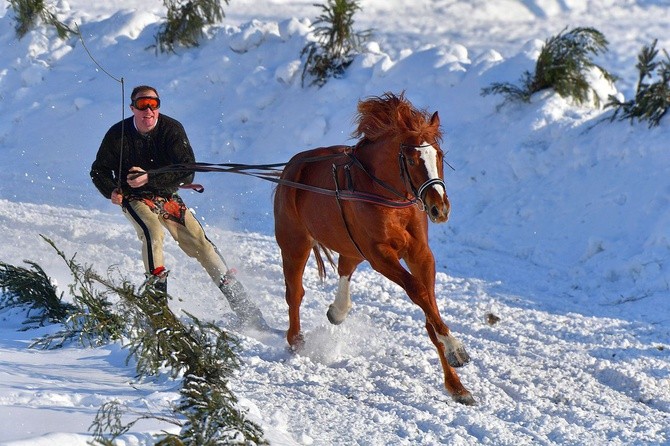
311	162
311	168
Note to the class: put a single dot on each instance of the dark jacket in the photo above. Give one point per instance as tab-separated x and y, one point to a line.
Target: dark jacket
166	144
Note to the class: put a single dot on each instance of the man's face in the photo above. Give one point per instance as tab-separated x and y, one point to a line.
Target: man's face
145	120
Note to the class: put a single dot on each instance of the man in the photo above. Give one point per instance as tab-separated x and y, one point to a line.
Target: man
151	202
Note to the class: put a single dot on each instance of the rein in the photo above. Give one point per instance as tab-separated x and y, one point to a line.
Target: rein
271	172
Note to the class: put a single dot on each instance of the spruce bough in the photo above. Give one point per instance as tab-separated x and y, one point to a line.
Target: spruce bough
200	354
652	99
563	65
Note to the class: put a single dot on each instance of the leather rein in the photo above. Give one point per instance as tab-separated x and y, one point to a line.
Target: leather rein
272	172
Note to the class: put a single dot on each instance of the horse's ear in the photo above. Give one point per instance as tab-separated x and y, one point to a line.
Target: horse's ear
435	120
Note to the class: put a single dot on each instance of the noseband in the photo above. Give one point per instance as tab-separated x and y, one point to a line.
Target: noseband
407	179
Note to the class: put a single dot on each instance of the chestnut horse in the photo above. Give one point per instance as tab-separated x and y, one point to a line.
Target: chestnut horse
370	202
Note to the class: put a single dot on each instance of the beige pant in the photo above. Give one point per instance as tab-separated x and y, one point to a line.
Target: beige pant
190	237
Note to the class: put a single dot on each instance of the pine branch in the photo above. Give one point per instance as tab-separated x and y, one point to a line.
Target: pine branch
92	319
32	288
186	21
204	356
336	43
563	63
202	353
652	99
28	14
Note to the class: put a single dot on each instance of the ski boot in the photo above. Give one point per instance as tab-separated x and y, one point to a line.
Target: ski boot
158	281
248	313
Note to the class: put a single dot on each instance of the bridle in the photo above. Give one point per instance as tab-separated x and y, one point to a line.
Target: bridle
419	192
406	180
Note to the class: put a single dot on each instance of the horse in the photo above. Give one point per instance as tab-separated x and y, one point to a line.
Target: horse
370	202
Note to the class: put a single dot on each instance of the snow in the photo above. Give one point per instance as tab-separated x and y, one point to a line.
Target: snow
560	225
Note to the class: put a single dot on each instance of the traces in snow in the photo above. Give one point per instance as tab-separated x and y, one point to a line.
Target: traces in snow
540	376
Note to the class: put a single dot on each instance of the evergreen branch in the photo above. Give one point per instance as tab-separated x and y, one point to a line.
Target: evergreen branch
336	43
92	319
652	99
29	13
32	288
202	354
563	63
185	22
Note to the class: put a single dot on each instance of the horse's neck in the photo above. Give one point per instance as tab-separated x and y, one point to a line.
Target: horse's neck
379	160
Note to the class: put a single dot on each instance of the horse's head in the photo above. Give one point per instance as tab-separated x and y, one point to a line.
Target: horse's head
390	120
422	165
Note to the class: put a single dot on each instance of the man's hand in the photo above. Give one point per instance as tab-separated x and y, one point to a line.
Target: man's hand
136	177
117	197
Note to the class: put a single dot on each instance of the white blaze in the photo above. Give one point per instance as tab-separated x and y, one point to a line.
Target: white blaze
428	154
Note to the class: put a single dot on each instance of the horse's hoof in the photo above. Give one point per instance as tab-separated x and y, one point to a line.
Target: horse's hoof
465	399
458	357
296	343
335	316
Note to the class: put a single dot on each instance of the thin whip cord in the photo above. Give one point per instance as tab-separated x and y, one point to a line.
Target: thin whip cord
123	101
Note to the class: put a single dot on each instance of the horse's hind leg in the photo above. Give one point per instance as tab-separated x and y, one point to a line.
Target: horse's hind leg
295	250
339	309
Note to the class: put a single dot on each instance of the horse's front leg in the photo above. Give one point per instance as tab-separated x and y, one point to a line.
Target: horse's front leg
339	309
421	290
451	351
421	264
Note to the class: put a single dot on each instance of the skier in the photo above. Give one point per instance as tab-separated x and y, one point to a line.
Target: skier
152	140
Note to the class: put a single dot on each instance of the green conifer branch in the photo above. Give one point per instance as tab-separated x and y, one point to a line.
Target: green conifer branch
652	99
336	43
28	14
186	21
563	63
32	288
199	353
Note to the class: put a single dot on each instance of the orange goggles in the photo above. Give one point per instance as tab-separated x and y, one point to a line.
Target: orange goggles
144	102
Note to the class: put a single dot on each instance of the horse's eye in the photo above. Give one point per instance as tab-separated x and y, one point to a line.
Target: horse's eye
411	161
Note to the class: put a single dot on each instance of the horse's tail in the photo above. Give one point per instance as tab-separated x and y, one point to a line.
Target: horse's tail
317	249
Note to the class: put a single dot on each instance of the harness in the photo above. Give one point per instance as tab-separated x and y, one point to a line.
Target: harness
272	173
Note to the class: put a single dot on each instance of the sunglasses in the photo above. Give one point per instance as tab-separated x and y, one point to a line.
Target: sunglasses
144	102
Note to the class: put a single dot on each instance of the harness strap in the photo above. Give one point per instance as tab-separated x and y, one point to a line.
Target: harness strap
272	172
357	162
344	219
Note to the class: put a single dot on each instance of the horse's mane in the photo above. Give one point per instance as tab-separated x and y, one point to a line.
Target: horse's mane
391	115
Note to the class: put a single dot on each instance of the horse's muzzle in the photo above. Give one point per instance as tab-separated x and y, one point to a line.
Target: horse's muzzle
438	213
435	201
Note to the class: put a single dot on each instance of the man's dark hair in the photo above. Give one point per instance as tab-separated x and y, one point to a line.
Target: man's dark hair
139	88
